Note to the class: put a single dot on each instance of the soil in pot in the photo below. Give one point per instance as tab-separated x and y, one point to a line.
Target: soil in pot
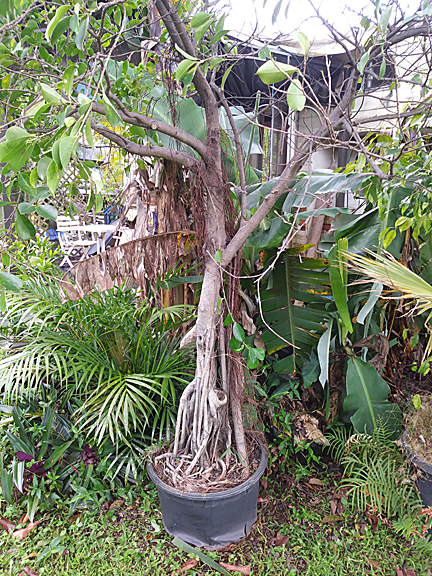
212	519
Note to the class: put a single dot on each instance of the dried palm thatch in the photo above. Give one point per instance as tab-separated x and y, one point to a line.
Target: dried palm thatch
137	261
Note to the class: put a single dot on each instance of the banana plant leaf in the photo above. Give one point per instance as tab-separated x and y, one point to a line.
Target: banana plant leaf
287	323
367	397
305	189
302	193
362	232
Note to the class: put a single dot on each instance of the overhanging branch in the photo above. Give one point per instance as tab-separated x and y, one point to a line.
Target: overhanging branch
141	121
147	150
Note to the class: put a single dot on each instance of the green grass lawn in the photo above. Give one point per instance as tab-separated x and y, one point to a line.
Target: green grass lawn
130	541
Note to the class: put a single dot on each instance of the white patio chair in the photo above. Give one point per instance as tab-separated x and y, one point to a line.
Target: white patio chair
71	240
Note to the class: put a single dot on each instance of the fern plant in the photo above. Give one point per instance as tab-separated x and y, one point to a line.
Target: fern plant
377	477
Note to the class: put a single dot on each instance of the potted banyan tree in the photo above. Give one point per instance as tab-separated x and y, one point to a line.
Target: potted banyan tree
416	440
111	72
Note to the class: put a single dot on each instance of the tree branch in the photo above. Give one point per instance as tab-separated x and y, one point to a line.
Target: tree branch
334	120
151	124
143	150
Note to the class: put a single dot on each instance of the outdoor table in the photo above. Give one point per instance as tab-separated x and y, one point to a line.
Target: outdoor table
100	230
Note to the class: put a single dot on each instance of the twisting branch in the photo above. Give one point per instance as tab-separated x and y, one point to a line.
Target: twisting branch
146	150
136	119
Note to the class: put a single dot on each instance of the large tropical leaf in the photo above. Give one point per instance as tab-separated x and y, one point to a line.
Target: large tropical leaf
367	396
286	322
302	192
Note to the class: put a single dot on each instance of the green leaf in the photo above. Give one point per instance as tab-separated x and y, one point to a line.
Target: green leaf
272	72
367	395
25	186
322	212
383	68
3	303
47	211
293	280
83	99
218	256
56	455
197	552
214	39
82	32
323	352
18	474
21	157
220	23
42	192
388	238
235	345
16	136
304	42
238	332
98	203
7	484
36	108
17	444
21	425
255	356
65	151
47	422
185	54
253	359
311	370
363	61
225	76
61	27
56	153
24	227
201	18
10	281
228	320
338	278
25	208
296	98
370	302
68	78
32	506
201	30
53	176
50	95
42	167
183	68
88	134
111	113
60	12
276	12
385	17
417	401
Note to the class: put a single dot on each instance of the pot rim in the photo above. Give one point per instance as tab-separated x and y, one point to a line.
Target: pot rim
211	495
414	457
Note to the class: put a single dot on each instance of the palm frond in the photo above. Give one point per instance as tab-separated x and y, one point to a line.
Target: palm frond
388	271
116	360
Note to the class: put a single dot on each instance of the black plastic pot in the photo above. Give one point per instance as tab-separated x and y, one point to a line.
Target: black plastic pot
210	520
424	479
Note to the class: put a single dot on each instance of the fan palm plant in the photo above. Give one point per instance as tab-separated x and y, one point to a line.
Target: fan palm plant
116	360
385	269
